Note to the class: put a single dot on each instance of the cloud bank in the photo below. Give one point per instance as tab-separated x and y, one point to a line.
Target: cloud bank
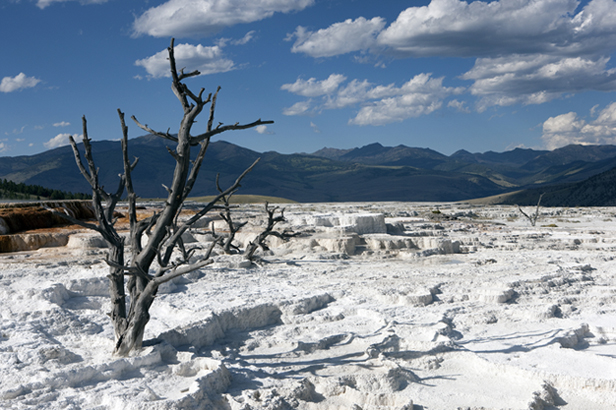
568	129
527	51
456	28
537	79
202	18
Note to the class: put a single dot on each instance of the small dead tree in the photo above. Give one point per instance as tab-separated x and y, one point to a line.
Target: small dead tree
163	230
259	241
532	218
233	227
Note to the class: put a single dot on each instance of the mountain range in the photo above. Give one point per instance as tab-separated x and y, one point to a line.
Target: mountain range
370	173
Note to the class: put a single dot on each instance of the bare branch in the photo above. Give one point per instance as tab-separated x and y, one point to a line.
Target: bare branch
80	165
137	232
88	153
212	203
90	175
179	89
145	127
135	237
196	98
212	109
182	271
134	164
76	221
186	75
194	172
163	269
104	216
129	270
218	130
112	200
173	154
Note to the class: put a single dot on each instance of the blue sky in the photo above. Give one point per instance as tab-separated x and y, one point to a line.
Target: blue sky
442	74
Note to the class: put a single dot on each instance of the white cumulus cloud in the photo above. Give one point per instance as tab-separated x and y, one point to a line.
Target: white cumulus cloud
200	18
460	28
568	129
421	95
262	129
356	92
208	60
339	38
58	141
61	124
299	108
314	88
381	104
19	82
535	79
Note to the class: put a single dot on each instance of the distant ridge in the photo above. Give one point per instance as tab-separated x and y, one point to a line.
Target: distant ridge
598	190
331	153
376	154
370	173
516	157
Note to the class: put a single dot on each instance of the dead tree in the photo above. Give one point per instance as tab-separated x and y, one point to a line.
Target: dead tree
259	241
163	230
532	218
233	227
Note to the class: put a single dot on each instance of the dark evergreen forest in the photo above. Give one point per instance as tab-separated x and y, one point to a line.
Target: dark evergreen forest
12	190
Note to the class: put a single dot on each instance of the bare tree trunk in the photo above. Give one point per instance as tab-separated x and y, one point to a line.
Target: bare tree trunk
116	290
138	318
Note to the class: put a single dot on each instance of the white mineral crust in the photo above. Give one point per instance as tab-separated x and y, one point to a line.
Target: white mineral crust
479	311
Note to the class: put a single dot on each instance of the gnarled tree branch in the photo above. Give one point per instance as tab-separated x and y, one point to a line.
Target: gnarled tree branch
219	130
145	127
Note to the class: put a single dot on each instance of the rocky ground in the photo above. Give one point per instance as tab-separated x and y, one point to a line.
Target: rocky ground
373	306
